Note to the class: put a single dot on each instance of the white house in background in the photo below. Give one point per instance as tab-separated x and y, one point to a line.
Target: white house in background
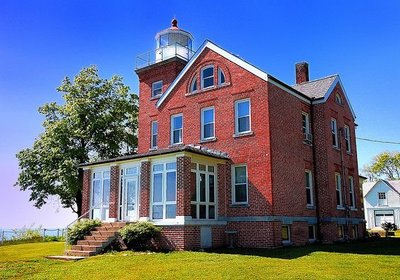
381	202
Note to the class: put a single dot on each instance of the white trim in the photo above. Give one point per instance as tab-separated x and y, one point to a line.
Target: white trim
202	123
172	129
234	184
292	92
237	116
207	44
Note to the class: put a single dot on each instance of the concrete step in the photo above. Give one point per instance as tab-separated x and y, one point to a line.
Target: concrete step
91	242
79	253
96	238
103	233
107	228
114	225
89	248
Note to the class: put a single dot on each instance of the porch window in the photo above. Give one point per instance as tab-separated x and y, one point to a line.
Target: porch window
100	194
203	191
240	184
163	194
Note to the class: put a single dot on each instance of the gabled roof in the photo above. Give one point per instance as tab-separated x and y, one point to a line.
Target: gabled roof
368	186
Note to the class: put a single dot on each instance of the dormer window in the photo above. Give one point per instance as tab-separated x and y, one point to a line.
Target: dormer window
156	89
193	85
207	76
338	99
221	77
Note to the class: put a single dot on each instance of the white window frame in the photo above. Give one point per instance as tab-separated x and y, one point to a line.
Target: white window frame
102	172
338	185
156	86
352	193
202	76
152	145
334	132
203	123
207	202
234	202
163	201
220	73
173	129
237	102
309	179
347	138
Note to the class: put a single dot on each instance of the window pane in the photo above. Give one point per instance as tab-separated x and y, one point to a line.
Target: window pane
171	186
177	137
244	124
131	171
193	210
338	198
243	109
202	187
171	166
193	193
157	188
311	232
155	127
211	168
106	174
208	116
240	174
221	77
171	211
211	212
202	167
211	188
208	72
158	167
240	193
106	191
96	193
208	82
209	130
177	122
285	233
157	211
203	212
308	194
154	140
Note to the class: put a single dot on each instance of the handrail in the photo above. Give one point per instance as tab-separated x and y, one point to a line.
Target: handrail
77	219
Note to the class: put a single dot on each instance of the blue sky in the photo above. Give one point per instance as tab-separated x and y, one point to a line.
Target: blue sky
43	41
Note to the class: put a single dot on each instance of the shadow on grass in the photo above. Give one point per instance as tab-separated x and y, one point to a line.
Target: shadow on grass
383	246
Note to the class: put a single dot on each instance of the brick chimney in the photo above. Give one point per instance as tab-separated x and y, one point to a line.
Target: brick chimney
302	72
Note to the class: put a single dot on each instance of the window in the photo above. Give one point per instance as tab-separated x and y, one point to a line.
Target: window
242	116
355	231
203	191
163	191
347	138
100	195
352	194
382	198
341	232
338	183
207	76
334	133
240	185
193	85
156	88
306	127
176	129
338	99
221	77
311	233
207	123
154	135
285	233
309	188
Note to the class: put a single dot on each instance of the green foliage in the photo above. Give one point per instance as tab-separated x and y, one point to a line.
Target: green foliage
97	120
24	234
138	235
389	227
80	229
385	165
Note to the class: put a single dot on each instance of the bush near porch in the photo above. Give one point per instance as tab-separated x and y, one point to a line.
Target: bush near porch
80	229
338	261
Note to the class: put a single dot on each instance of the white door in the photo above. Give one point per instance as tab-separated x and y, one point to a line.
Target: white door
130	199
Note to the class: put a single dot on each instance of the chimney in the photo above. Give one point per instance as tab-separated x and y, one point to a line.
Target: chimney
302	72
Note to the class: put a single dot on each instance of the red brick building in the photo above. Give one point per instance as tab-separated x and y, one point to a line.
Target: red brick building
230	155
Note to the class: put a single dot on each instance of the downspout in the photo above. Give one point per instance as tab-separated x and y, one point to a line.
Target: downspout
318	228
344	194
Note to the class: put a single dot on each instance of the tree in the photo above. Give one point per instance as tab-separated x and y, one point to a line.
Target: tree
98	120
388	226
385	165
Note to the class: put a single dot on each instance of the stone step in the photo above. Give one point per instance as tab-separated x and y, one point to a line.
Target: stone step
114	225
96	238
79	253
103	233
91	242
89	248
107	228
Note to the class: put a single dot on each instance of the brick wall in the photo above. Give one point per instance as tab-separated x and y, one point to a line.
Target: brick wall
144	209
114	192
183	186
87	174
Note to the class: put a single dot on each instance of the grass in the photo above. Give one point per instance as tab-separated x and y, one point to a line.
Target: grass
377	259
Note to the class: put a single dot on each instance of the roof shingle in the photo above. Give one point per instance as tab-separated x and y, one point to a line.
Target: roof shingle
316	88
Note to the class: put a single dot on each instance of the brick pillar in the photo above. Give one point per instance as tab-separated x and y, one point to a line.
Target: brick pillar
223	171
87	173
114	192
183	186
144	210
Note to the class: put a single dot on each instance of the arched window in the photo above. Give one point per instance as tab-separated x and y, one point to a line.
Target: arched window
338	99
221	77
193	85
207	76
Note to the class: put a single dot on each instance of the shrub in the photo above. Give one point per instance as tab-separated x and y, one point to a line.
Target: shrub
387	226
27	234
138	235
80	229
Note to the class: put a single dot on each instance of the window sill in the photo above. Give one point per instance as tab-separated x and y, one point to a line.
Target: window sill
353	209
340	208
239	205
155	97
308	143
286	243
208	140
349	153
175	145
336	148
153	149
311	207
243	134
214	87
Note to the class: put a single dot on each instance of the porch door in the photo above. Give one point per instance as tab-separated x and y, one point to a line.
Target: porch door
100	195
130	199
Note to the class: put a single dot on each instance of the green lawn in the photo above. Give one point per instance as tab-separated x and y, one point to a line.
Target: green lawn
374	260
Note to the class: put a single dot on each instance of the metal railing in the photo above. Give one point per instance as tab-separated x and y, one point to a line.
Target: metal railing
154	56
15	234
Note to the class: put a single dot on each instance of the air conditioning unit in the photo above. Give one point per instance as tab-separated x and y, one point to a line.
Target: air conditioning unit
307	137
